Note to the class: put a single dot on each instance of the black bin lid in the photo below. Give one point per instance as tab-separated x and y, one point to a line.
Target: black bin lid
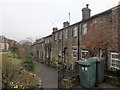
98	59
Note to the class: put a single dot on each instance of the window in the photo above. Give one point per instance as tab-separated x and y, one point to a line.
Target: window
75	53
75	32
115	61
56	36
46	40
66	33
47	54
84	54
60	35
60	52
84	29
37	54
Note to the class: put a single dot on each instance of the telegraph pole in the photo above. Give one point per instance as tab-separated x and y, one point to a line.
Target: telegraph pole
69	17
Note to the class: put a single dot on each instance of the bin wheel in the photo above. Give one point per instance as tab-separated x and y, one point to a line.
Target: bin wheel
96	85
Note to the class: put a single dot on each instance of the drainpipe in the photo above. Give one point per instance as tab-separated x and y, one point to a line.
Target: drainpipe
78	40
62	48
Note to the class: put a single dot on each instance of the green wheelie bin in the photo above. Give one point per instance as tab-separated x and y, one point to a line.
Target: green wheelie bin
87	72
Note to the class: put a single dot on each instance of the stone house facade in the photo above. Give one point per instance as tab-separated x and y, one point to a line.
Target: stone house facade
93	36
4	45
38	49
102	36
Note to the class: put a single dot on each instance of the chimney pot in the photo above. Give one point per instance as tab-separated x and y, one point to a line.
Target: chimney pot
87	5
66	24
55	29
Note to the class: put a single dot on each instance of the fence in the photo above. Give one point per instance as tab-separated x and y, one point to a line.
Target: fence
66	72
111	75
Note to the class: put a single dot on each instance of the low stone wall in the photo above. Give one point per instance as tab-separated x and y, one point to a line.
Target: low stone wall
113	80
69	82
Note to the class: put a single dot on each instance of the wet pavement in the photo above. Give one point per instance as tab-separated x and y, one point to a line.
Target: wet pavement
48	75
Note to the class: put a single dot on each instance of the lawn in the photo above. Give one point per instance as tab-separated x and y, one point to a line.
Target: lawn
15	60
12	55
19	62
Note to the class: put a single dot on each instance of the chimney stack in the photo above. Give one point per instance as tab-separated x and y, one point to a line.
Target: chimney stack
86	12
66	24
87	5
55	29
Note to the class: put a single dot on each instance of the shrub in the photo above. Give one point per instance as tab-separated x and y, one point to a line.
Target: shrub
15	77
28	63
10	71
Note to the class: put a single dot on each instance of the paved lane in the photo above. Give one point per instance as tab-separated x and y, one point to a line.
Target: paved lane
49	76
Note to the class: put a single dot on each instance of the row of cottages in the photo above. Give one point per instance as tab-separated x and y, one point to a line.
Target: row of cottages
93	36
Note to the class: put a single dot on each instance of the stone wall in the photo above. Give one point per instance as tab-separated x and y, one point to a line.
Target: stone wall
97	34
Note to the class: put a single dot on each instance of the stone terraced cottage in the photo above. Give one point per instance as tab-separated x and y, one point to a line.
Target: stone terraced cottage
96	35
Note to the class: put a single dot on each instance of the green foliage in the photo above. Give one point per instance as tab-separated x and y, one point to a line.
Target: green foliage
36	71
14	75
28	63
14	60
12	55
54	63
13	49
60	62
10	71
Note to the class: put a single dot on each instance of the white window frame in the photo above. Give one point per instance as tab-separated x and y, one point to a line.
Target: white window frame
39	54
84	29
75	51
60	52
66	33
56	36
47	41
75	31
83	51
60	35
114	59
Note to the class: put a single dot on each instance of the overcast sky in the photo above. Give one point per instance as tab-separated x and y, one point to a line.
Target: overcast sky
20	19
